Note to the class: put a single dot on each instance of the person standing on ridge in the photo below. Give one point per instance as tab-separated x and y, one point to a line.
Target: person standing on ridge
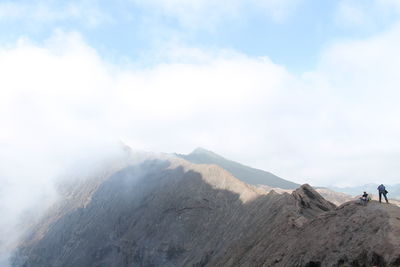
382	191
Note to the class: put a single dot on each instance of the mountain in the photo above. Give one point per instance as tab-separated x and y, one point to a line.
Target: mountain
167	211
336	198
244	173
262	179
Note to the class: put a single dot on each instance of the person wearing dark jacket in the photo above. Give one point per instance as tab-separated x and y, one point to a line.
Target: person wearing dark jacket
382	191
364	198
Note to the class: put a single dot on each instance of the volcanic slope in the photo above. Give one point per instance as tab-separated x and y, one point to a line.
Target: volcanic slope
169	212
262	179
244	173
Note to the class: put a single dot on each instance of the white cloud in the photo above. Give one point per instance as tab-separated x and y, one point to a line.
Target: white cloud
349	13
361	80
42	11
60	102
367	14
208	13
247	108
194	13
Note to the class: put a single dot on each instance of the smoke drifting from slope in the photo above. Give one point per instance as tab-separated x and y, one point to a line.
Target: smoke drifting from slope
60	103
29	179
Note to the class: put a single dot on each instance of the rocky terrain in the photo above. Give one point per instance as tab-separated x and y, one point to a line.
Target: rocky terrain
170	212
336	198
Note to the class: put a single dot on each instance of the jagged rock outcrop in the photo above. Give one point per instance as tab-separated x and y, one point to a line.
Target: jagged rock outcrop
336	198
169	212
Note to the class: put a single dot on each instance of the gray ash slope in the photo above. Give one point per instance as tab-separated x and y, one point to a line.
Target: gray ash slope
169	212
242	172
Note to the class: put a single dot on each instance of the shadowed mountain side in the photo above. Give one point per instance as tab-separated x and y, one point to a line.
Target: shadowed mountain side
159	213
244	173
173	213
133	210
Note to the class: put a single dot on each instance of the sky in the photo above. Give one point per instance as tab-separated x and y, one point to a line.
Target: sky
305	89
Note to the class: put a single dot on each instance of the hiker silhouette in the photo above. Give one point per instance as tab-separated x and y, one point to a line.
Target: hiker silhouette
382	191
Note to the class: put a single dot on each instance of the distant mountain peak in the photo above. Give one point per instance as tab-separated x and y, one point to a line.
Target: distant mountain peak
244	173
203	151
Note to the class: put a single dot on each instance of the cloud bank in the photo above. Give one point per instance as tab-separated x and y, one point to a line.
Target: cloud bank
62	90
61	103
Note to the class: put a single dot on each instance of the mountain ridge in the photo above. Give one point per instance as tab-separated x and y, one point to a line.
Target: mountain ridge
171	212
245	173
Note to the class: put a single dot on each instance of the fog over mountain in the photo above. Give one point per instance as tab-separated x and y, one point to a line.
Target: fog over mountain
161	210
294	105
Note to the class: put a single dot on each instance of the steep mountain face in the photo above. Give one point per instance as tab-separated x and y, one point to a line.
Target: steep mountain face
169	212
244	173
153	214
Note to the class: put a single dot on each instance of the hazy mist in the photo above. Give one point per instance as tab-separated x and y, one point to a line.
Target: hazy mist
63	105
